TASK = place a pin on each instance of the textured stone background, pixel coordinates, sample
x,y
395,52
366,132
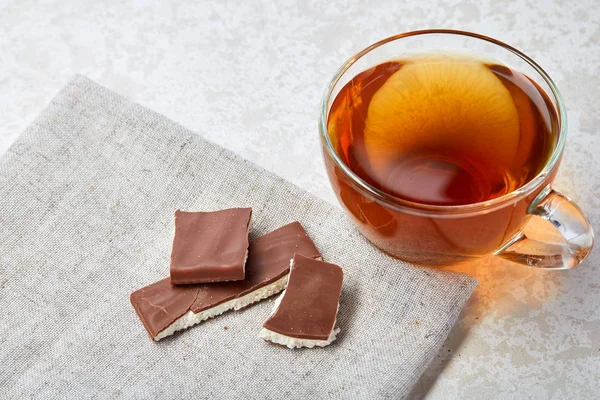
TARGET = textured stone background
x,y
249,76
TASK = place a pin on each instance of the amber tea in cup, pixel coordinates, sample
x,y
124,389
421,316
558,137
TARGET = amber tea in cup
x,y
443,129
441,144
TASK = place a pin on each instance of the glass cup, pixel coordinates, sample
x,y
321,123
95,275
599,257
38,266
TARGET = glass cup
x,y
441,235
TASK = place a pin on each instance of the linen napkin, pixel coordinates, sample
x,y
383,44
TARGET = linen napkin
x,y
87,196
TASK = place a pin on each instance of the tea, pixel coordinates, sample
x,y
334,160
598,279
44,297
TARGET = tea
x,y
443,129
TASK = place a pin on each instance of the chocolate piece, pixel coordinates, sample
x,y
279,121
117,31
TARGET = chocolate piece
x,y
164,308
161,303
305,313
210,246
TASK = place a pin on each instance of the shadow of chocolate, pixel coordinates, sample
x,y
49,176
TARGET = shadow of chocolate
x,y
346,313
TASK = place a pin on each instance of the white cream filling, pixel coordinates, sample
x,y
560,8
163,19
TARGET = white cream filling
x,y
292,342
190,318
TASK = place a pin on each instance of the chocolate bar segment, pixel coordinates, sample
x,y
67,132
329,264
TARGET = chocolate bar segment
x,y
268,261
161,303
164,308
305,314
210,246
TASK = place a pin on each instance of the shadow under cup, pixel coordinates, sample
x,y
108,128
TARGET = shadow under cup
x,y
438,235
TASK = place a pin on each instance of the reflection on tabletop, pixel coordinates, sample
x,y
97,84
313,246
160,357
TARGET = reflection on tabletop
x,y
519,319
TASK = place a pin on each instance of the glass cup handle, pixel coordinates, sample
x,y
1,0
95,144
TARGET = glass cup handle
x,y
572,224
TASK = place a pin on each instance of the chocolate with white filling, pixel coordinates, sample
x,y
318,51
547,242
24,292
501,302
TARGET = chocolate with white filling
x,y
164,308
308,307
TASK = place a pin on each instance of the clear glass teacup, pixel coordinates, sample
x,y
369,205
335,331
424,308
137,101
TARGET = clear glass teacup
x,y
441,234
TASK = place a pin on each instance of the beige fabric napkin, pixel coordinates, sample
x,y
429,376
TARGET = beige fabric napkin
x,y
87,196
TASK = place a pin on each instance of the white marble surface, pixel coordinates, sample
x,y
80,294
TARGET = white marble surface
x,y
249,76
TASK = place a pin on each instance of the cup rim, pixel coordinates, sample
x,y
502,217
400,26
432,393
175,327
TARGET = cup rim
x,y
428,209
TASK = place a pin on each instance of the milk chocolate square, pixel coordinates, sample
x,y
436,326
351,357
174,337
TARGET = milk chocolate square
x,y
210,246
165,308
305,314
